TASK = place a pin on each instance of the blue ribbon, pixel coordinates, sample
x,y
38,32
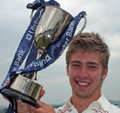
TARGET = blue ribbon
x,y
54,50
37,3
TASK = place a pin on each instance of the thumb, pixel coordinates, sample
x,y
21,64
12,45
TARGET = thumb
x,y
42,92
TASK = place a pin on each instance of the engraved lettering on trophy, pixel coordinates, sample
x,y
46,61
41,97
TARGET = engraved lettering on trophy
x,y
19,57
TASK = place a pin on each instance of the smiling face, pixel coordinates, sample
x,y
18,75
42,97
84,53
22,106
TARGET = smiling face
x,y
85,74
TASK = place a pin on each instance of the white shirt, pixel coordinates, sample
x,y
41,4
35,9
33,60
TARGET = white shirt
x,y
102,105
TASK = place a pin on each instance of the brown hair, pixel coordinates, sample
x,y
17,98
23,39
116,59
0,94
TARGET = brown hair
x,y
89,42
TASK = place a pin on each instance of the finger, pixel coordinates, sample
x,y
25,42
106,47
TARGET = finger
x,y
7,83
23,107
28,106
41,93
38,110
45,106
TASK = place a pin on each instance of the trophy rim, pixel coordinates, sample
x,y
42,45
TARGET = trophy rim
x,y
60,9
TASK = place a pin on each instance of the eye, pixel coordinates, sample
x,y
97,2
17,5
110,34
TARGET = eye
x,y
92,67
76,65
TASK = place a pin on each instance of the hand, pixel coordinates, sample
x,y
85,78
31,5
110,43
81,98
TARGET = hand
x,y
44,108
23,107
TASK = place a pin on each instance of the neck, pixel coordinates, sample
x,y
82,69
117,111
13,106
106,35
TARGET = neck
x,y
83,103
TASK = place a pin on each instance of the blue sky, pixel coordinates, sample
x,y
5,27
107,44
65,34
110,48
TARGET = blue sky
x,y
103,16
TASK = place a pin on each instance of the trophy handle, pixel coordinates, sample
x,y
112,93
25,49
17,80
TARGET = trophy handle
x,y
84,25
31,16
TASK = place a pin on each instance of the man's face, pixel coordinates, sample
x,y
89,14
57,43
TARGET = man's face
x,y
85,74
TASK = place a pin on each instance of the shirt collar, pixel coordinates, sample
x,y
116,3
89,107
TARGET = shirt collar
x,y
70,106
103,102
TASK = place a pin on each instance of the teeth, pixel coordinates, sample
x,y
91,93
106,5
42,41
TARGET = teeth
x,y
84,84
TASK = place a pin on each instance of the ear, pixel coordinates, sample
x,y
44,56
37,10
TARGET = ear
x,y
105,73
67,70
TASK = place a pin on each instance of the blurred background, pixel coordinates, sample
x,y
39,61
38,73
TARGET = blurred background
x,y
103,17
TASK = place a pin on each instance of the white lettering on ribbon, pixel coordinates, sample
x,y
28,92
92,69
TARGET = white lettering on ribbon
x,y
68,34
33,27
70,29
19,57
29,37
41,63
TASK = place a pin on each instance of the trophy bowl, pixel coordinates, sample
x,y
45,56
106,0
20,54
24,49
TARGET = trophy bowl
x,y
53,23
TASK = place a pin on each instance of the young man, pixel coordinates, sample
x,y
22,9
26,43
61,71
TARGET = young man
x,y
87,66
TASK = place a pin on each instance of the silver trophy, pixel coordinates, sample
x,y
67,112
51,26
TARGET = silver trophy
x,y
53,22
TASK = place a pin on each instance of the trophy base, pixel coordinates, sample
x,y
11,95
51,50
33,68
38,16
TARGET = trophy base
x,y
24,89
20,96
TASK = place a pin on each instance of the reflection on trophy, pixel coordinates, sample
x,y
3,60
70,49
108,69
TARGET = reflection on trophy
x,y
53,22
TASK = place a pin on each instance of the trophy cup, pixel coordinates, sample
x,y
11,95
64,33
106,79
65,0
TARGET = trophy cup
x,y
53,22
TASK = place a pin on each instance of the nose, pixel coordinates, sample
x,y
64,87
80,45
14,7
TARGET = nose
x,y
83,73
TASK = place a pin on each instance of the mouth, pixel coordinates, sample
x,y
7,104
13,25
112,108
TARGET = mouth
x,y
83,85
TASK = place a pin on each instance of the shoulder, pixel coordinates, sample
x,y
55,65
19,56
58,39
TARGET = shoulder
x,y
60,108
66,108
114,109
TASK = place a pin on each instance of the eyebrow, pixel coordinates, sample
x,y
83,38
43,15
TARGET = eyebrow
x,y
75,61
94,63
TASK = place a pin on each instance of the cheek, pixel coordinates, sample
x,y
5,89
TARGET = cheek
x,y
69,71
97,76
71,75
